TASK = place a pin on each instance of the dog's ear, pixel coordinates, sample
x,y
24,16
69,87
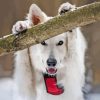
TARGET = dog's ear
x,y
36,15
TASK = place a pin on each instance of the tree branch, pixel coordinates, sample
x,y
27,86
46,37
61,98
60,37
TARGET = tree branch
x,y
59,24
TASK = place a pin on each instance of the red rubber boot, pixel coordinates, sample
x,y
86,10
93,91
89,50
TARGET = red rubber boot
x,y
51,85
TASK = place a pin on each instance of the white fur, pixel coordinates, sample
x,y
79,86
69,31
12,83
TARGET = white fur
x,y
69,7
29,83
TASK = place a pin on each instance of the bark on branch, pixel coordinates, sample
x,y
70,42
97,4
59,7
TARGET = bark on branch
x,y
59,24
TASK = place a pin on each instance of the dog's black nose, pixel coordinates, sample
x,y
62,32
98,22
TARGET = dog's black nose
x,y
51,62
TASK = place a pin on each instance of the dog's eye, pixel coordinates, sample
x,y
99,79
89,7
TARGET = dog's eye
x,y
60,43
44,43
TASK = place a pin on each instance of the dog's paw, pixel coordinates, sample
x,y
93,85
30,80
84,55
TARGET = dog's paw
x,y
19,27
65,7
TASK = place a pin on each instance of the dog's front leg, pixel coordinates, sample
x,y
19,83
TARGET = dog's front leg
x,y
24,85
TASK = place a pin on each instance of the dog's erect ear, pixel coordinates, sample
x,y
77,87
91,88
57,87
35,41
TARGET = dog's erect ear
x,y
36,15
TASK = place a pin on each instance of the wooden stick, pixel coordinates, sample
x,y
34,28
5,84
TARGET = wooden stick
x,y
82,16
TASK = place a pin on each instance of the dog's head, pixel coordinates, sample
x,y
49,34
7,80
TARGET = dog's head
x,y
50,55
53,53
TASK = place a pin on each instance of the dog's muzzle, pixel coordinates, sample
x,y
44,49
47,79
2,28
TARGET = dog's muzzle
x,y
51,69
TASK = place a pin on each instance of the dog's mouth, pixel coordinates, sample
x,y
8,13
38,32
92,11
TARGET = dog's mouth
x,y
51,70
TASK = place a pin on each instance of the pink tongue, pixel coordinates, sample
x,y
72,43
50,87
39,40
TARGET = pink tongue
x,y
51,85
51,70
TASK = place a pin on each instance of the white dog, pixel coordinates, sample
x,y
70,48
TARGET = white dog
x,y
52,70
